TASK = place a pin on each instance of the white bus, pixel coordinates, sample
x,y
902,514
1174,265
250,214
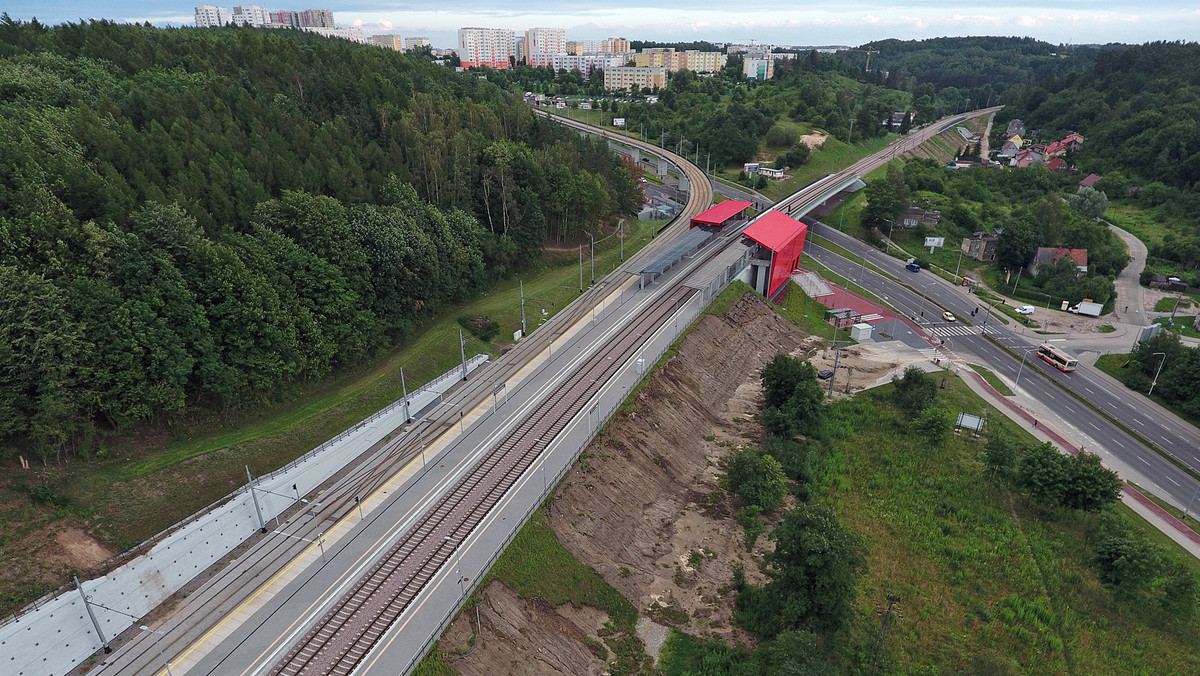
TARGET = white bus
x,y
1057,358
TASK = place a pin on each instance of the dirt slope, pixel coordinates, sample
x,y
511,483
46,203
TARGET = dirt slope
x,y
645,509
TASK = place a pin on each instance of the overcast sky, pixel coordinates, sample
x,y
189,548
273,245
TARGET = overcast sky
x,y
785,22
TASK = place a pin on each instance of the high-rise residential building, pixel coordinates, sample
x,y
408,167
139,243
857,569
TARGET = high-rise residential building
x,y
608,46
317,18
352,33
659,57
387,42
208,16
251,15
285,19
635,79
758,69
416,43
491,47
545,41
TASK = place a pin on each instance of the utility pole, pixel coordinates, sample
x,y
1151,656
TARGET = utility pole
x,y
580,268
893,599
462,346
837,346
404,389
621,232
254,495
592,254
523,330
88,606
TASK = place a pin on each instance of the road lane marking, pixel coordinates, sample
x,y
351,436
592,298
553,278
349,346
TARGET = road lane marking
x,y
1174,482
1094,426
1143,460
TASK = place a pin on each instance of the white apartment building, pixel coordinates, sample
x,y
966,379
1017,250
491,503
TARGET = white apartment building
x,y
545,41
416,43
208,16
584,63
491,47
252,15
636,79
352,33
608,46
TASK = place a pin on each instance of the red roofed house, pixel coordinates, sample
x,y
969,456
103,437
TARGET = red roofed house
x,y
1073,142
1058,164
722,213
780,241
1050,255
1091,180
1055,149
1025,158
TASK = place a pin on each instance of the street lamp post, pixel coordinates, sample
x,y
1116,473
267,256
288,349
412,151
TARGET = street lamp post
x,y
1160,365
925,296
457,563
592,254
159,646
1023,356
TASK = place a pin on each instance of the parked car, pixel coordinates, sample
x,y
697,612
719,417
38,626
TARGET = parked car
x,y
1025,310
826,374
913,267
948,316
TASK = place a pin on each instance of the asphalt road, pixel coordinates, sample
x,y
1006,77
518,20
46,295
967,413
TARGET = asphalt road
x,y
1003,350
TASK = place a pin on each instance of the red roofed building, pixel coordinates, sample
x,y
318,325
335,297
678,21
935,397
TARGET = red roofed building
x,y
780,241
1058,164
1073,142
1050,255
1091,180
1055,149
721,213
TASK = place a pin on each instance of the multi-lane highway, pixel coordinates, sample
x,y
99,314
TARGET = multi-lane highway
x,y
1077,399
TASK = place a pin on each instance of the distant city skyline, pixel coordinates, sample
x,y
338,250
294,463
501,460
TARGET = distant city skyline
x,y
767,21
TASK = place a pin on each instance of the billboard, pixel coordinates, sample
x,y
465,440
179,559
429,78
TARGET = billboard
x,y
585,106
618,122
935,241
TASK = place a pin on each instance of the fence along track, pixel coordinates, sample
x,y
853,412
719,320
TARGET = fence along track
x,y
339,641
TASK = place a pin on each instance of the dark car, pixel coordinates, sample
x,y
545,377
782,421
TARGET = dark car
x,y
826,374
913,267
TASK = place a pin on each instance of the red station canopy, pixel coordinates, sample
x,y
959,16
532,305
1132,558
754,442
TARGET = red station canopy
x,y
720,213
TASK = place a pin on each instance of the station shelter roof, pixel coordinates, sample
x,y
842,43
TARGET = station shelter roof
x,y
774,230
718,214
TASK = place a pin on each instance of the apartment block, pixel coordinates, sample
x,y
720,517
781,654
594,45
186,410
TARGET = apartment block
x,y
208,16
545,41
703,62
608,46
416,43
636,78
251,15
584,63
491,47
393,42
758,69
316,18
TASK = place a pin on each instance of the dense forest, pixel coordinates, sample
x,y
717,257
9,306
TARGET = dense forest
x,y
196,218
1139,109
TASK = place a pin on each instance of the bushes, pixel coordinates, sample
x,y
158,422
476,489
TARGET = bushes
x,y
483,328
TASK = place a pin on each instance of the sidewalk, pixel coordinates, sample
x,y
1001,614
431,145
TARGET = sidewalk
x,y
1026,416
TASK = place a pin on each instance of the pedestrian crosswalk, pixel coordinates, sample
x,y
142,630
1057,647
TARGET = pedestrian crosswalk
x,y
959,330
873,317
930,353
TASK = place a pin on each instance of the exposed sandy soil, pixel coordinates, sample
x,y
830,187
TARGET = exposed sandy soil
x,y
815,140
645,508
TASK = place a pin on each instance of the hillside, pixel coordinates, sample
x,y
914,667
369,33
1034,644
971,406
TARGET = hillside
x,y
195,222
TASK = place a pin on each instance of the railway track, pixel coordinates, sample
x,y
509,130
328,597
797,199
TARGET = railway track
x,y
345,635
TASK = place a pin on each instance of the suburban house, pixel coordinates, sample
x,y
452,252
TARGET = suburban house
x,y
1015,127
1091,180
1056,149
1025,158
980,246
1051,255
1011,146
896,120
1073,142
914,216
1058,164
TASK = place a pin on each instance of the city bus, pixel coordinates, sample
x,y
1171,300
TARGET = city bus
x,y
1057,358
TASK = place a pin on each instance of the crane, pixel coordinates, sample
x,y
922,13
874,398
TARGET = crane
x,y
868,51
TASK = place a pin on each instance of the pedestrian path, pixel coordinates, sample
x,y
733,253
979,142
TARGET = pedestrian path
x,y
873,317
812,284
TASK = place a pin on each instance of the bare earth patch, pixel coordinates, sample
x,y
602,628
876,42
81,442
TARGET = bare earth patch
x,y
815,140
645,509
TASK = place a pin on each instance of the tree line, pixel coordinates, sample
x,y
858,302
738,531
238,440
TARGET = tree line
x,y
193,219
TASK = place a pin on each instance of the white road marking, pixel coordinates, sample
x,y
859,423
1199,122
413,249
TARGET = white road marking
x,y
1089,389
1143,460
1118,443
1094,426
1174,482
